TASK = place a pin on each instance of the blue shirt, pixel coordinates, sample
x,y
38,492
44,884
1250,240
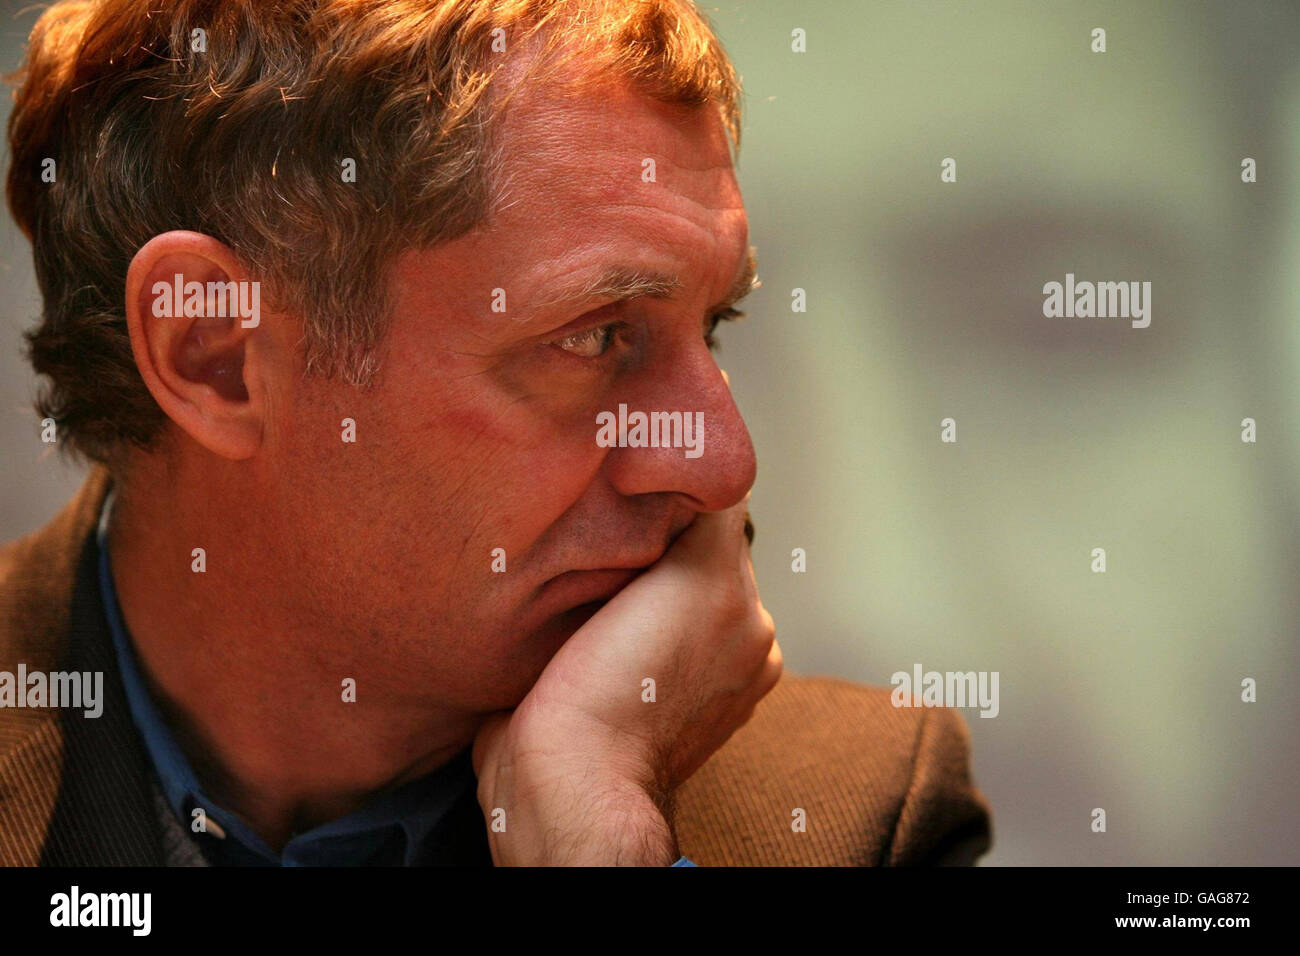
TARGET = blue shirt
x,y
392,829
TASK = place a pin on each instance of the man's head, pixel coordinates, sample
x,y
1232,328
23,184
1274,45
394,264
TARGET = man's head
x,y
543,225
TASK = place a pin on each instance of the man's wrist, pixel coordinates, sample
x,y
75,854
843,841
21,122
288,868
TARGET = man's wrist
x,y
611,824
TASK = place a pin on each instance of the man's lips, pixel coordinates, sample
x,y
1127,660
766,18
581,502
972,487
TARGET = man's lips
x,y
574,588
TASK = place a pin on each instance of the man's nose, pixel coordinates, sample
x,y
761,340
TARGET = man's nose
x,y
704,452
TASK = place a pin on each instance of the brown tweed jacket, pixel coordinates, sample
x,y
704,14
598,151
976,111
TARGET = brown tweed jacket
x,y
878,785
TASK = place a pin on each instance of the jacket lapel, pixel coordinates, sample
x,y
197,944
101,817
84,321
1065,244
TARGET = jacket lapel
x,y
104,814
73,789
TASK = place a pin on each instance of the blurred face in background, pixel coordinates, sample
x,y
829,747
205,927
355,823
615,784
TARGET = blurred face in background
x,y
925,302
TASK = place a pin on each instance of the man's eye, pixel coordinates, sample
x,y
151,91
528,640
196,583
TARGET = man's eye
x,y
594,342
711,324
590,343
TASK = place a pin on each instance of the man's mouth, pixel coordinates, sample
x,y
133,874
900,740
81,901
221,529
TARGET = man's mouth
x,y
574,589
574,618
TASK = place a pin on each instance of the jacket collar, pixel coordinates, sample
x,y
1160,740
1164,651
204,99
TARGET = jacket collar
x,y
75,788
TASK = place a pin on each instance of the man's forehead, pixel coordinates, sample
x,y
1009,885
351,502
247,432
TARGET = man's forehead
x,y
607,139
609,197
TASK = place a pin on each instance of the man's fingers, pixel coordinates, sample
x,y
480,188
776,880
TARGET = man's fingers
x,y
713,538
486,739
772,668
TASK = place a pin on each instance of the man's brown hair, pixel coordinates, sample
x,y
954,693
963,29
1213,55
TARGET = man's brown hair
x,y
233,118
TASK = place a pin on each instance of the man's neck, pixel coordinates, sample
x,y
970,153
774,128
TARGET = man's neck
x,y
238,674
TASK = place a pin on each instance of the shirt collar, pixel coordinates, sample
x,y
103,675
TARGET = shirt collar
x,y
394,826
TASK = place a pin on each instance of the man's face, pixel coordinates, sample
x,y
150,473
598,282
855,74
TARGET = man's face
x,y
481,431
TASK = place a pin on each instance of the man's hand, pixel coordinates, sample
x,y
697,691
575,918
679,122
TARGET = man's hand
x,y
584,768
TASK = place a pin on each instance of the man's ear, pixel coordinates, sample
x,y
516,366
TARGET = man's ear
x,y
194,316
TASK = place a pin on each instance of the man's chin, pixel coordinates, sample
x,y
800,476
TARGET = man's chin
x,y
534,651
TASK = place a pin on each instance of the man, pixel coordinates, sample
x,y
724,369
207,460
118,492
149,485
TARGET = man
x,y
337,296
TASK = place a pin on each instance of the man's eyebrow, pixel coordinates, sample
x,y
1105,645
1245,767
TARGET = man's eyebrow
x,y
625,282
621,283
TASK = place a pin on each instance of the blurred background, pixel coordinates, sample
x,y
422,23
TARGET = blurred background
x,y
924,301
